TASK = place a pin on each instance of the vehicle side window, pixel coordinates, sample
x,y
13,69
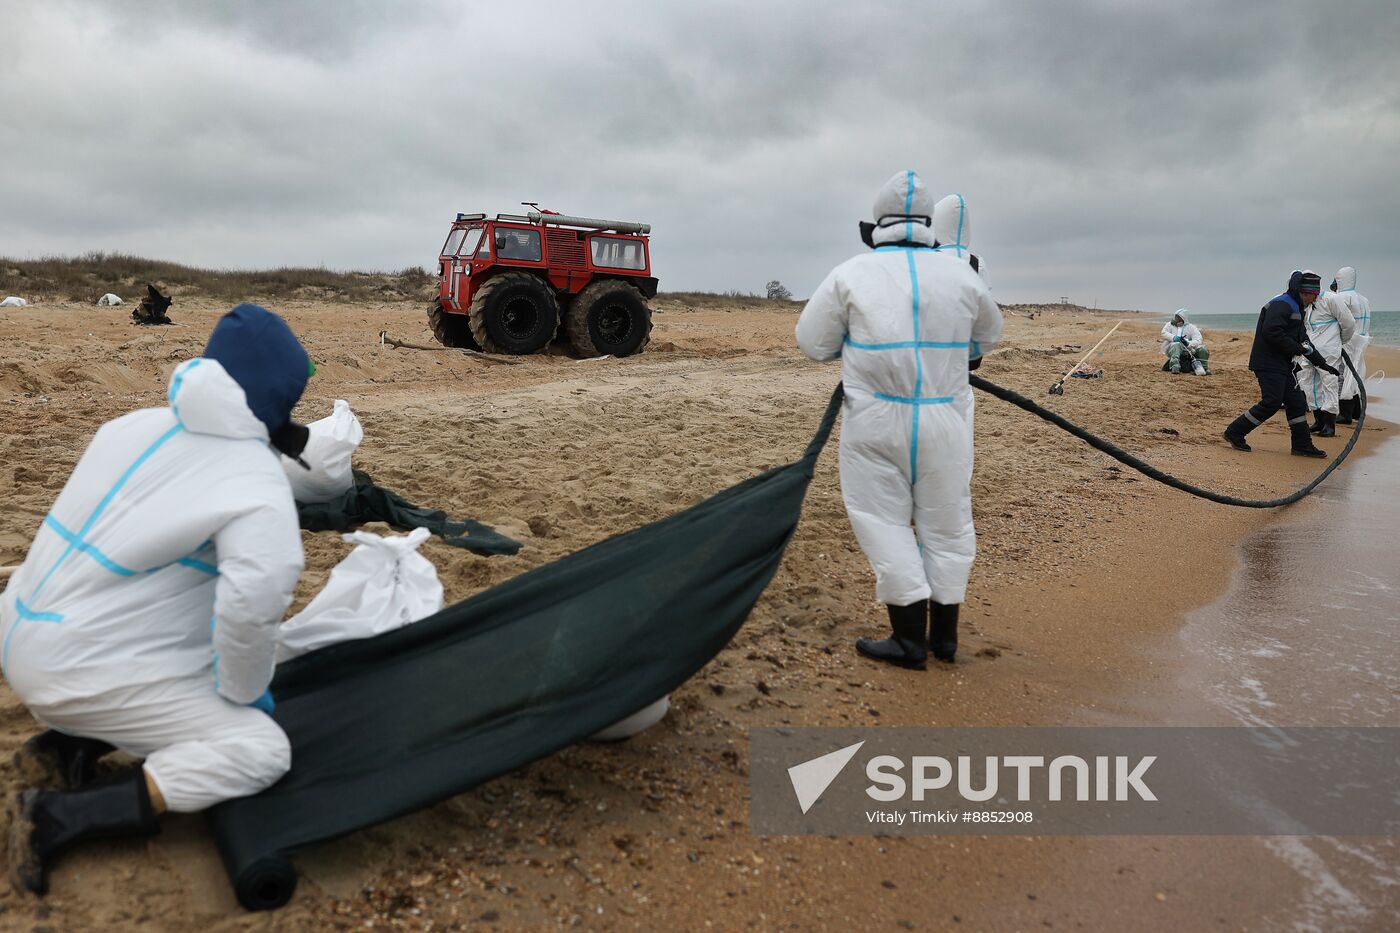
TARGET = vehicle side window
x,y
517,244
616,253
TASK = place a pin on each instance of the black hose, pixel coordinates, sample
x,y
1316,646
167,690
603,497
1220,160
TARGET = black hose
x,y
1147,469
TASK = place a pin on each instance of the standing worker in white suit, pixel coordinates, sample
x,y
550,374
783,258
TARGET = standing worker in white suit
x,y
952,228
1328,324
1349,409
144,616
909,322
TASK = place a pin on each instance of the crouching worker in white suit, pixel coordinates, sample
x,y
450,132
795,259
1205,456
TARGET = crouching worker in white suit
x,y
144,616
1182,341
908,322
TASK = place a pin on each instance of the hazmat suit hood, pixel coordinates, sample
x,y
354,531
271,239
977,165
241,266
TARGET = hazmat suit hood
x,y
1181,313
1346,279
952,224
259,351
903,211
207,400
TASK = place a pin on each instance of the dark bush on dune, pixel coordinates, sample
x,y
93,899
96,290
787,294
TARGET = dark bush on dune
x,y
85,278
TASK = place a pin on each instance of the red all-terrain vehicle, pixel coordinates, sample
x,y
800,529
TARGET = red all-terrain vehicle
x,y
506,284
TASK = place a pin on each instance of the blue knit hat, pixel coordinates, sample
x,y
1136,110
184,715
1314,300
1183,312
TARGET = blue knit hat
x,y
260,352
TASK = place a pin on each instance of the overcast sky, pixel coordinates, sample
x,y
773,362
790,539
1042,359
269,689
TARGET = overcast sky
x,y
1138,155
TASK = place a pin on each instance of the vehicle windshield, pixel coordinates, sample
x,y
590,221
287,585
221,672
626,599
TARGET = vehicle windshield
x,y
454,240
470,241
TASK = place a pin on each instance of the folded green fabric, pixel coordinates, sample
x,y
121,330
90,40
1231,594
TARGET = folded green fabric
x,y
384,726
367,501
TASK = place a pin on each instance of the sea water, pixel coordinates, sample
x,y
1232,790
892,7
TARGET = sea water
x,y
1385,325
1309,635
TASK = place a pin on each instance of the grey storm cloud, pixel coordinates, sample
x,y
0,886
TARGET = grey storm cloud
x,y
1135,154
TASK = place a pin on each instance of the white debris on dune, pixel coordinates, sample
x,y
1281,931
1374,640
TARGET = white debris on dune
x,y
109,300
13,302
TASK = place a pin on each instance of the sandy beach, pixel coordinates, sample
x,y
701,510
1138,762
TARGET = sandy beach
x,y
1074,603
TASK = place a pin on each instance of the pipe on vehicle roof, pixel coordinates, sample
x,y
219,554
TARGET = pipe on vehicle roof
x,y
620,226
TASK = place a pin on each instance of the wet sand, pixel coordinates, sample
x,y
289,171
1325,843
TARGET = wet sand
x,y
1076,598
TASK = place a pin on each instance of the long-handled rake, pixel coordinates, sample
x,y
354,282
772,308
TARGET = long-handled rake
x,y
1059,387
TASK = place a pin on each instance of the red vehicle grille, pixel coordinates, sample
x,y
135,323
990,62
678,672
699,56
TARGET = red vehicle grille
x,y
566,249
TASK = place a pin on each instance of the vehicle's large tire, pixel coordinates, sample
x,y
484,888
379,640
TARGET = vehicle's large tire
x,y
609,317
514,313
451,330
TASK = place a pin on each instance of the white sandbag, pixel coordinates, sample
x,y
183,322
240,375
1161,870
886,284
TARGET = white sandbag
x,y
382,585
13,302
333,440
642,719
109,300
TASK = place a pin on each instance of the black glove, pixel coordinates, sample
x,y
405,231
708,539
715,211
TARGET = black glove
x,y
1317,359
973,363
1330,369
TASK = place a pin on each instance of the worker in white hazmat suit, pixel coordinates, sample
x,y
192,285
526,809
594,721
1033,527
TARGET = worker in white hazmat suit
x,y
1349,407
144,616
908,322
1328,325
1182,344
952,229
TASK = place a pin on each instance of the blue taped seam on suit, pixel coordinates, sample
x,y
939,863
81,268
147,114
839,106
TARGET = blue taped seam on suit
x,y
213,625
89,549
910,345
106,501
909,205
198,565
178,382
75,543
918,371
26,613
962,212
905,400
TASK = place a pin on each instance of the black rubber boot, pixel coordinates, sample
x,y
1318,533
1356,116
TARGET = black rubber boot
x,y
943,631
1318,422
43,823
1345,411
58,760
1302,440
1329,424
1237,430
906,646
